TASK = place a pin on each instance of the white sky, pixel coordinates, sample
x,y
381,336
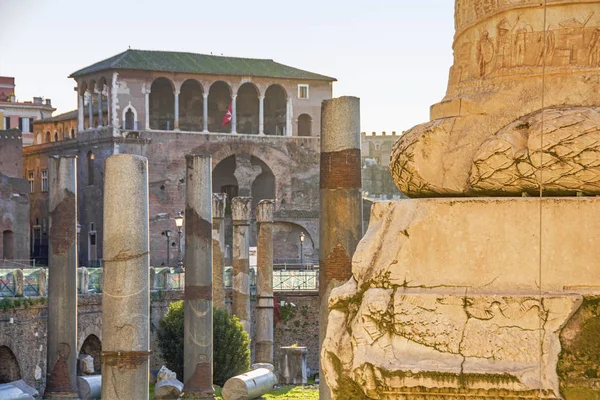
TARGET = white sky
x,y
393,54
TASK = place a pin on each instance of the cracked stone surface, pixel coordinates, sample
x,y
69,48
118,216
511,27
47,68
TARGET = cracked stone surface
x,y
503,51
445,297
566,159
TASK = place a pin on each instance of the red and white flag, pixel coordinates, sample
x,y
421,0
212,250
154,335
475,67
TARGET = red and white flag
x,y
227,117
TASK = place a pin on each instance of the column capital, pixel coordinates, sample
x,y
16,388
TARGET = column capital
x,y
241,210
234,96
176,92
205,95
261,98
218,205
264,210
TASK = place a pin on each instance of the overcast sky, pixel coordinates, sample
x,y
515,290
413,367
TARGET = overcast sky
x,y
393,54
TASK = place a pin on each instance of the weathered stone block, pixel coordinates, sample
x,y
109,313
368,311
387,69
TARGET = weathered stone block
x,y
291,366
446,297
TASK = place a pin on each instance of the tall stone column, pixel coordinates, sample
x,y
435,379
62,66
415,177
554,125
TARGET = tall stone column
x,y
205,112
90,110
261,115
198,308
288,117
264,289
341,203
219,201
176,116
100,122
62,284
147,109
241,213
126,290
80,111
234,113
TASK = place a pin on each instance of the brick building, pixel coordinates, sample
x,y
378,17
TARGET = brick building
x,y
14,199
21,115
164,105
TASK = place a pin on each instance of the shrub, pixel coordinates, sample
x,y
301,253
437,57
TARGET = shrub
x,y
231,352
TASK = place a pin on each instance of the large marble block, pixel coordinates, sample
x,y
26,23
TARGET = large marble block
x,y
462,297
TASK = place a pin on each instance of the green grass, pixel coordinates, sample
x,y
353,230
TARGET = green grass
x,y
282,393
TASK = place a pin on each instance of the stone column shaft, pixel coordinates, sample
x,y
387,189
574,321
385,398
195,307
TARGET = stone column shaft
x,y
288,117
62,285
341,202
205,112
176,116
234,113
198,307
90,110
126,294
100,122
147,106
80,112
261,115
264,313
241,213
218,209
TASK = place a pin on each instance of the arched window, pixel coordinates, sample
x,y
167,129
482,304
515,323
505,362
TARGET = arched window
x,y
56,136
48,137
90,168
275,110
304,125
129,120
9,366
72,133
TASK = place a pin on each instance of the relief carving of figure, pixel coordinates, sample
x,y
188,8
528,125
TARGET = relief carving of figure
x,y
548,48
503,42
485,52
520,42
594,49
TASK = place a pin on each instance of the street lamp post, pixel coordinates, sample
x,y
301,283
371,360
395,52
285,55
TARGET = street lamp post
x,y
301,250
167,234
179,223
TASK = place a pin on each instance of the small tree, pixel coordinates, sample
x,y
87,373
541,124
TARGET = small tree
x,y
231,352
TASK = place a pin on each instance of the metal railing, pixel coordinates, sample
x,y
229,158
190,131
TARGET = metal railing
x,y
34,281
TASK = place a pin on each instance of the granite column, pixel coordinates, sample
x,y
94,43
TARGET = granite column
x,y
341,203
241,212
62,284
264,289
198,308
218,209
126,290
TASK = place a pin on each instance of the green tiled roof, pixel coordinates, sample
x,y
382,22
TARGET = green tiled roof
x,y
191,63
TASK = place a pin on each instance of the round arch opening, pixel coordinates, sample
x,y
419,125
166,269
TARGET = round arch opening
x,y
275,110
247,109
219,99
9,366
191,106
92,346
162,105
304,125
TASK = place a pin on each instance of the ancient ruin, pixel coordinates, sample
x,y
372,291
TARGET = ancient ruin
x,y
516,64
466,296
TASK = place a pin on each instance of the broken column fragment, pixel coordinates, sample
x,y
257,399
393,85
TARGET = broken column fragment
x,y
218,238
62,284
126,294
198,309
264,286
241,213
341,201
